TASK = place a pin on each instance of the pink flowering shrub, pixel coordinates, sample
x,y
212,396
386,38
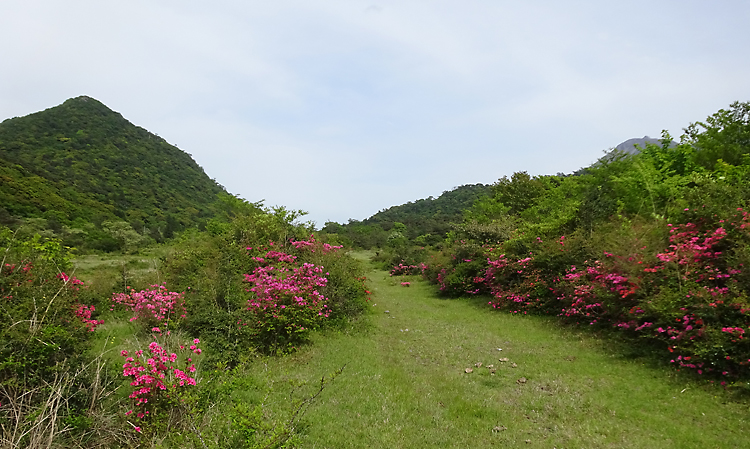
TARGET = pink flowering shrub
x,y
401,269
159,377
460,274
33,291
594,294
256,290
286,302
46,325
152,307
83,313
688,298
312,245
511,282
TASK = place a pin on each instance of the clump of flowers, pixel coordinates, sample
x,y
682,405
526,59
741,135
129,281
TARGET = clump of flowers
x,y
402,269
311,245
83,312
159,377
155,306
593,292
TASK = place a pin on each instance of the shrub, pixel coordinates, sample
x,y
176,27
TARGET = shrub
x,y
159,380
285,304
240,280
45,331
155,307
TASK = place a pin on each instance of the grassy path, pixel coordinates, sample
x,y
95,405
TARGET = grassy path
x,y
405,384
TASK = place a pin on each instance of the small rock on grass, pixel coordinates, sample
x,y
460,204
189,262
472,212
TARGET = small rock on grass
x,y
499,428
505,359
521,381
469,370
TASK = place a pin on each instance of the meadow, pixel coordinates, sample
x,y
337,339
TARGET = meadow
x,y
405,382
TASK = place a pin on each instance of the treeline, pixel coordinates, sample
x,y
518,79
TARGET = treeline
x,y
426,221
83,173
653,247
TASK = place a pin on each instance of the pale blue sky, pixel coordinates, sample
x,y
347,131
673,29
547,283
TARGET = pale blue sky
x,y
344,108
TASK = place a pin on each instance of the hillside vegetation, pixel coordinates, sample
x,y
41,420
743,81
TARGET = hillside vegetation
x,y
426,221
71,168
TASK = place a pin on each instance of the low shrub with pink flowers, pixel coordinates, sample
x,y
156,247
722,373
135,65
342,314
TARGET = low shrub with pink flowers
x,y
686,297
158,378
261,283
286,302
296,288
44,315
152,307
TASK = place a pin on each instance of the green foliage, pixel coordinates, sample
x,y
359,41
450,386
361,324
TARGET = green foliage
x,y
650,247
211,266
430,216
518,193
85,163
45,330
724,136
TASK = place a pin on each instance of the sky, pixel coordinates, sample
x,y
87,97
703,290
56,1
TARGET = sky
x,y
343,108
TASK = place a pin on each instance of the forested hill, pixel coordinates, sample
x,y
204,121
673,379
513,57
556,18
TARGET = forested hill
x,y
429,217
81,162
431,214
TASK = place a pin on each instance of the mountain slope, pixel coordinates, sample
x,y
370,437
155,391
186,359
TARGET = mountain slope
x,y
82,161
431,215
429,218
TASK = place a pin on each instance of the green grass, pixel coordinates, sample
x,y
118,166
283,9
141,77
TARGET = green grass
x,y
109,273
409,388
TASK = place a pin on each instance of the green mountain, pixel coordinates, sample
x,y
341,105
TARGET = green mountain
x,y
428,217
80,162
431,215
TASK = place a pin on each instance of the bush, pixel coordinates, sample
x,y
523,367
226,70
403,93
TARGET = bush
x,y
251,293
45,331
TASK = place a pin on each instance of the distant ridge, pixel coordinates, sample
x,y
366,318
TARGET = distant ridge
x,y
629,146
427,216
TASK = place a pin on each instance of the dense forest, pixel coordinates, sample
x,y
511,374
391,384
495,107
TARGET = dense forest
x,y
82,172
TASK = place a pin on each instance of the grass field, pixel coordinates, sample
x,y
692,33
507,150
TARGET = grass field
x,y
405,383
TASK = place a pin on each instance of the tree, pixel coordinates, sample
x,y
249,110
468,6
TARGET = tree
x,y
724,136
